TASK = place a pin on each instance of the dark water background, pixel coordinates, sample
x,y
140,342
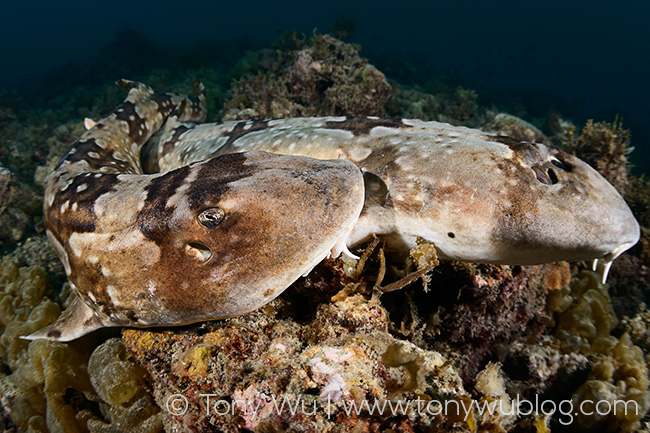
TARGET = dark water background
x,y
583,59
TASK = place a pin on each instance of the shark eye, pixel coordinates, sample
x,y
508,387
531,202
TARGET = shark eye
x,y
211,217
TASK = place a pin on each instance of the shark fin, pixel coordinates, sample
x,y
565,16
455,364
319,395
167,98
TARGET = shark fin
x,y
77,320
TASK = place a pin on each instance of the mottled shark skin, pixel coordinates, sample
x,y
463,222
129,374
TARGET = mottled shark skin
x,y
477,196
204,241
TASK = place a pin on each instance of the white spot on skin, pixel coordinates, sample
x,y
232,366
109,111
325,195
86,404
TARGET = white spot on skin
x,y
112,293
92,297
146,252
405,162
335,119
357,154
64,206
74,206
82,187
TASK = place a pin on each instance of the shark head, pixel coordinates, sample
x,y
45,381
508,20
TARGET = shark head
x,y
207,241
510,202
560,208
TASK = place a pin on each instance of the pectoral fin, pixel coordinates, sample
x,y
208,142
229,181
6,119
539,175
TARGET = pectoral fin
x,y
77,320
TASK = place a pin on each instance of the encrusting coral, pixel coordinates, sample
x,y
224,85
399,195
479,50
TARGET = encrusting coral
x,y
615,396
18,207
336,369
605,146
512,126
324,77
453,105
55,387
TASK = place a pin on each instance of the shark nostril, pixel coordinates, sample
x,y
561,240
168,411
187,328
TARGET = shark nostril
x,y
541,176
198,251
552,176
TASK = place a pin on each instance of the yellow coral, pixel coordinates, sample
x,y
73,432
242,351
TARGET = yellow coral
x,y
618,379
120,382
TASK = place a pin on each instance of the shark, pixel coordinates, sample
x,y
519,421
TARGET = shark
x,y
232,213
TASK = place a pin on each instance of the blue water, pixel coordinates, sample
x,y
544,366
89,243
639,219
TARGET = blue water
x,y
585,59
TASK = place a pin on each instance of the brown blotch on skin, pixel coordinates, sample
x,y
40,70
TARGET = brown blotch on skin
x,y
231,169
363,125
176,136
84,219
239,130
155,214
124,113
54,333
512,143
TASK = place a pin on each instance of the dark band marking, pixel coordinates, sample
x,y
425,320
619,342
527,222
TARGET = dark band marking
x,y
54,333
83,219
241,129
363,125
154,217
79,150
176,136
214,178
137,125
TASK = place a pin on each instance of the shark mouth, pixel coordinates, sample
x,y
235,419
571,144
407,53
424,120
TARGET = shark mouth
x,y
603,264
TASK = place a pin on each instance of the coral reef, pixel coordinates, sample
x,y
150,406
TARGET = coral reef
x,y
324,77
474,308
15,208
333,353
452,105
54,387
337,368
605,146
121,384
512,126
618,379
